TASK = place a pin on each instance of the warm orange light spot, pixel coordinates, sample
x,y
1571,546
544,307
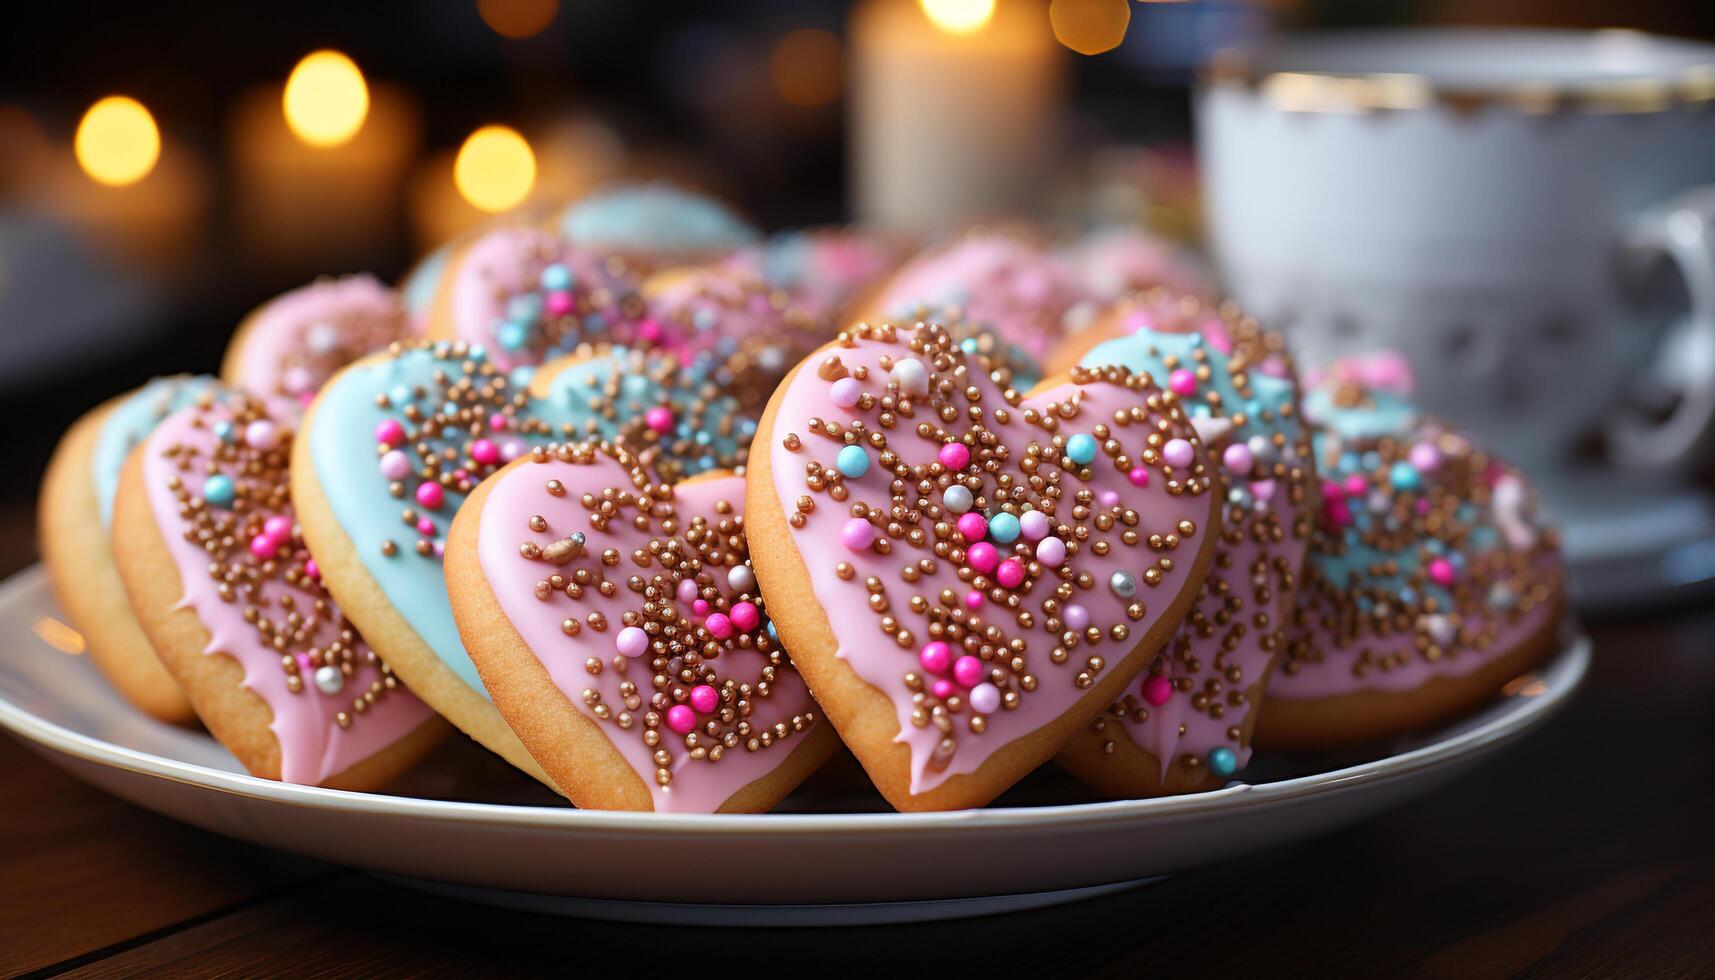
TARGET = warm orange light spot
x,y
59,636
117,142
326,99
517,19
495,168
807,67
958,16
1090,26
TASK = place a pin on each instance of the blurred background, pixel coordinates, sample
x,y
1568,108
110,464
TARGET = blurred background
x,y
164,169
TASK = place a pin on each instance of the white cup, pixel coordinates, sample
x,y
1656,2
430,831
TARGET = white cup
x,y
1497,205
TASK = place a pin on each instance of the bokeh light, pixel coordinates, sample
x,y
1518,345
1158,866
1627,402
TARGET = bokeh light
x,y
517,19
1090,26
326,99
495,168
807,68
959,16
117,142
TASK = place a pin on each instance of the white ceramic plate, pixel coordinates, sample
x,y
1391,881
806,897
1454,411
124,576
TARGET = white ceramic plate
x,y
798,867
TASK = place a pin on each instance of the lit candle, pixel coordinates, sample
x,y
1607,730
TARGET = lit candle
x,y
317,165
955,110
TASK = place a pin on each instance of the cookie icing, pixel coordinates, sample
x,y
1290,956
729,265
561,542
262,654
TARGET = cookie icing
x,y
1118,262
1428,558
1024,294
638,598
216,478
656,219
823,269
528,296
982,557
131,421
373,422
421,284
297,340
1190,706
743,331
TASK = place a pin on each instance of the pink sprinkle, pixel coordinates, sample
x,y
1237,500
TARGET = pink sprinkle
x,y
1076,617
681,719
1425,457
1237,458
262,434
705,698
935,657
461,474
857,535
303,662
1263,489
511,449
1178,452
1356,485
1034,525
1422,505
497,422
700,607
649,330
1050,552
1183,382
1010,574
972,525
1108,498
982,557
745,616
955,456
974,599
438,548
1441,572
718,625
426,528
985,698
1331,490
431,495
312,569
278,527
1274,366
264,547
1139,476
632,641
390,432
687,590
558,303
1157,689
484,453
659,419
943,689
968,671
395,465
845,392
1337,513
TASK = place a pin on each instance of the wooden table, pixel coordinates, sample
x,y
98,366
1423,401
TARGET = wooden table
x,y
1587,850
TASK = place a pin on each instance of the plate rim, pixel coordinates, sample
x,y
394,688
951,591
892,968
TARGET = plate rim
x,y
1447,751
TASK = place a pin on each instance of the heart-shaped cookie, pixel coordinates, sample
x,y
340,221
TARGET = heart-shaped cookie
x,y
393,445
289,346
214,563
655,225
964,575
1187,724
617,625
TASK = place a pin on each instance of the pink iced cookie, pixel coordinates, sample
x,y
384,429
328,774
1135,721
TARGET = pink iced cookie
x,y
617,625
1430,581
1187,724
526,296
216,569
748,333
1121,261
293,343
1021,292
825,269
964,575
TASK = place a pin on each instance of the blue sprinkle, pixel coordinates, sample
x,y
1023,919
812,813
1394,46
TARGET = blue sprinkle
x,y
595,323
524,308
1003,528
513,335
556,277
521,376
400,395
219,490
1222,761
1349,462
1404,476
1081,448
852,462
970,345
225,431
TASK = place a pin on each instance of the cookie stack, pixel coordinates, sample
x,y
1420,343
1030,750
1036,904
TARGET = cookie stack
x,y
664,514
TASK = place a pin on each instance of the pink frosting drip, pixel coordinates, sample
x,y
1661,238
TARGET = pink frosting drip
x,y
870,651
299,339
697,786
313,747
1022,292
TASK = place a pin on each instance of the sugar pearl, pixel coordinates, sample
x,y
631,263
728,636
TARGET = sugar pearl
x,y
718,625
845,392
911,376
1178,452
1082,448
329,679
745,616
395,465
957,499
955,456
431,495
1124,584
968,671
1237,458
857,535
1076,617
1035,525
852,462
681,719
705,698
935,657
982,557
1157,689
1051,551
632,641
739,578
985,698
262,434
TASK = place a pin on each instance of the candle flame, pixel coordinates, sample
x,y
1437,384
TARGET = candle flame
x,y
326,99
495,168
117,142
958,16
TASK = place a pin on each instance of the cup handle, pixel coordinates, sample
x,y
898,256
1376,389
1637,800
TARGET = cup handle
x,y
1683,231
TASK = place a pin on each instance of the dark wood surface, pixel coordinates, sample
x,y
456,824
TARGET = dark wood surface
x,y
1586,850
